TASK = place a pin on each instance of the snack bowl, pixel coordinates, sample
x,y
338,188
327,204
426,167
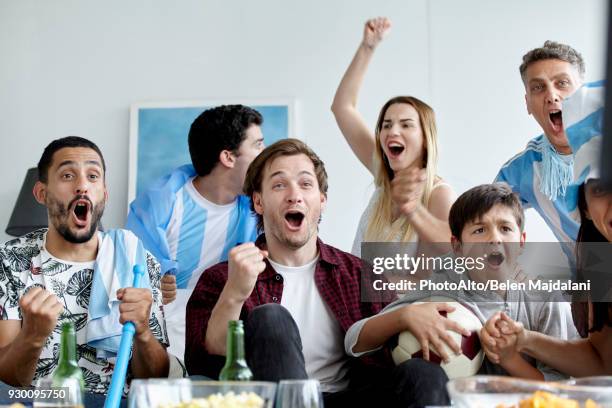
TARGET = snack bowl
x,y
602,381
186,393
494,392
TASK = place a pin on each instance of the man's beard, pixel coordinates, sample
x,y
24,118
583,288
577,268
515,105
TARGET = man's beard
x,y
294,243
291,240
59,214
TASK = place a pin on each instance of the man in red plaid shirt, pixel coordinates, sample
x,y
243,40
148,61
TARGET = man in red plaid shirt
x,y
296,295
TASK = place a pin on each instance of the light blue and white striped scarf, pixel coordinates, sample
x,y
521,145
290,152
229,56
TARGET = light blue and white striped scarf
x,y
583,116
118,251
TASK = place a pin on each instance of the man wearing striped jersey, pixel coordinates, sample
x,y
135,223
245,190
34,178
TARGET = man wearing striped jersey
x,y
191,218
542,172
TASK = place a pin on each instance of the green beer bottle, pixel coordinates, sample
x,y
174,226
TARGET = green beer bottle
x,y
67,366
235,368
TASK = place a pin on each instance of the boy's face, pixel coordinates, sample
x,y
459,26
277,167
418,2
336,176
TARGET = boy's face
x,y
547,83
496,237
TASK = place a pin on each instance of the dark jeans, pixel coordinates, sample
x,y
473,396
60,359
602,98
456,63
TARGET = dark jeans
x,y
274,352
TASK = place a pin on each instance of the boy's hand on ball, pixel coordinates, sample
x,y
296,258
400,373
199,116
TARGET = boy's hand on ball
x,y
429,327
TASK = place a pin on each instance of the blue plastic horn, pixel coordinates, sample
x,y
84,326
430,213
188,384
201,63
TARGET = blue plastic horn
x,y
115,391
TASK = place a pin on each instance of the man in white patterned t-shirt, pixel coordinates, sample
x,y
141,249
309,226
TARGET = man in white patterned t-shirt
x,y
48,277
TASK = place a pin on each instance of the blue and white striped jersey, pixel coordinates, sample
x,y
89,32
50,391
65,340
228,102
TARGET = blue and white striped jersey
x,y
185,232
523,174
201,233
582,119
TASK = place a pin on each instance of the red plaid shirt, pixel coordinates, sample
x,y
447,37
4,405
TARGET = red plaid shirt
x,y
337,277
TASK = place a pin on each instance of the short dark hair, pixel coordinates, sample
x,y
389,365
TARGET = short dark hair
x,y
589,233
69,141
284,147
217,129
553,50
477,201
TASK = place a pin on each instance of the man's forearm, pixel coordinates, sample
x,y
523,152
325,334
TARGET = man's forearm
x,y
554,353
150,359
227,308
18,361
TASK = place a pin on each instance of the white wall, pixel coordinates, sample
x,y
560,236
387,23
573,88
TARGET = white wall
x,y
74,67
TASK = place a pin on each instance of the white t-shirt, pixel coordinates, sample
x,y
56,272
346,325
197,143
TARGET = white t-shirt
x,y
196,235
322,337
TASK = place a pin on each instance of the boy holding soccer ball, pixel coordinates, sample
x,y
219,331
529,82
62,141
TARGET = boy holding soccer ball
x,y
487,222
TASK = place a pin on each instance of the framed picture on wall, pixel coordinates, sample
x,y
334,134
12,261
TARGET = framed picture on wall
x,y
159,130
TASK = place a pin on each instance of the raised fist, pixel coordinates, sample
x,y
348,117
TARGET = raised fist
x,y
375,30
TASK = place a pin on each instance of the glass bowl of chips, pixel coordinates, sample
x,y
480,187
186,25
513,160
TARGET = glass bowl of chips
x,y
185,393
506,392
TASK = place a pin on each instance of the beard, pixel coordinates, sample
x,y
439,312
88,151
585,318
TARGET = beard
x,y
294,240
59,213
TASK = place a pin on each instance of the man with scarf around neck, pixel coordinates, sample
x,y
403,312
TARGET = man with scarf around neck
x,y
48,277
541,173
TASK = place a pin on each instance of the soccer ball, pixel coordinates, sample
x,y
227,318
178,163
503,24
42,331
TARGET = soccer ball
x,y
464,365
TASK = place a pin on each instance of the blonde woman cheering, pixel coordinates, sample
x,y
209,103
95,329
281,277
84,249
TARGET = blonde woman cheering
x,y
411,203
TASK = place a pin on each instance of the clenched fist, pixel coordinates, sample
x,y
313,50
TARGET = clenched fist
x,y
40,310
135,307
375,30
500,337
245,263
407,189
168,288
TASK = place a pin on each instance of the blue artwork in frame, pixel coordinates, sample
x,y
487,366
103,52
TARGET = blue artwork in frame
x,y
158,135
